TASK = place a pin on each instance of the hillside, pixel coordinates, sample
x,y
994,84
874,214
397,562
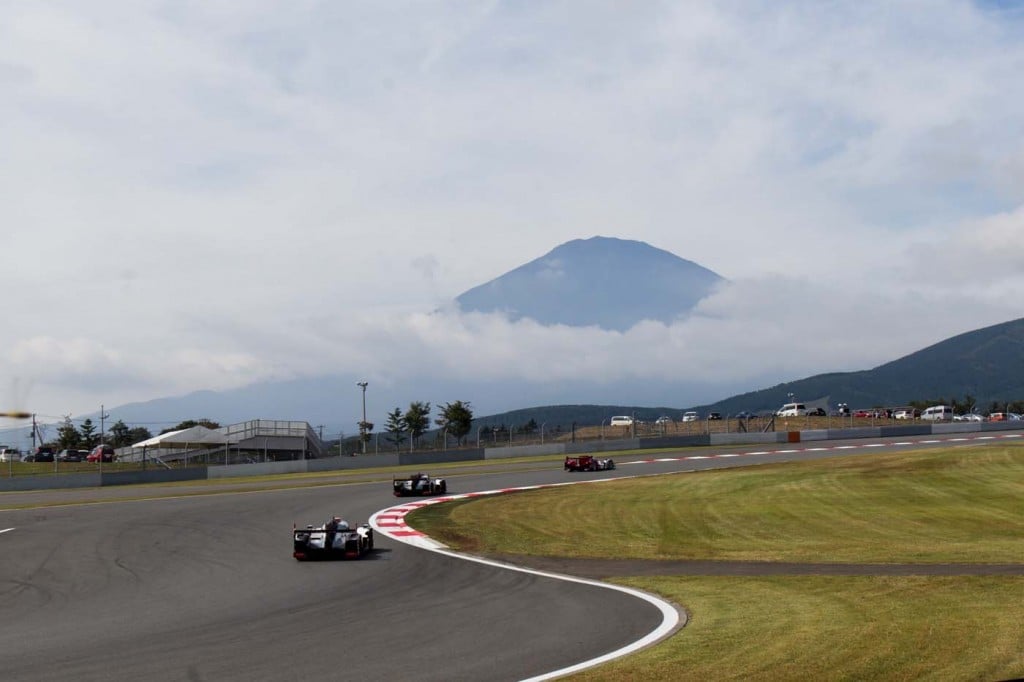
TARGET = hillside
x,y
986,364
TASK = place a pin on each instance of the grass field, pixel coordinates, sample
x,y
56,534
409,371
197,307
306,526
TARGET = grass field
x,y
960,505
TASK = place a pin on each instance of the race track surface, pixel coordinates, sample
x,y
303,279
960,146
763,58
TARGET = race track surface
x,y
204,588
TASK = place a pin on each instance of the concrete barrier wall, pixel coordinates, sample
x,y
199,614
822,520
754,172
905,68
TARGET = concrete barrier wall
x,y
749,438
674,442
50,482
812,435
153,476
1000,426
524,451
914,430
357,462
441,457
957,427
856,432
294,466
602,446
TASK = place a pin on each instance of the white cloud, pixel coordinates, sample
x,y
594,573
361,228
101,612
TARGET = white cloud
x,y
205,194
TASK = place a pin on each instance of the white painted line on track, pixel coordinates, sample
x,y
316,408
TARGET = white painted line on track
x,y
5,530
875,445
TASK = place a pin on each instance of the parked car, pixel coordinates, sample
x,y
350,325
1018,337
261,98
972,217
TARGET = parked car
x,y
745,414
792,410
690,416
72,455
905,413
43,453
662,420
9,455
817,412
715,416
622,420
938,413
103,453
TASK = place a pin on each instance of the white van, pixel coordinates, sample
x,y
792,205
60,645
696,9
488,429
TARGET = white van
x,y
622,421
937,413
792,410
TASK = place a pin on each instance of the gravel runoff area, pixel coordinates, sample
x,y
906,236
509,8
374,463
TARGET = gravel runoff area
x,y
610,568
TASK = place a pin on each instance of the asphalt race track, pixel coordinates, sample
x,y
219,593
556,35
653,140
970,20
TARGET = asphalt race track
x,y
205,588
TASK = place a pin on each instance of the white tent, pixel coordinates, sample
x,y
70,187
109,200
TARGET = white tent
x,y
195,437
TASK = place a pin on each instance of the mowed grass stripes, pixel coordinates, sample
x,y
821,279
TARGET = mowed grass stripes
x,y
953,506
961,505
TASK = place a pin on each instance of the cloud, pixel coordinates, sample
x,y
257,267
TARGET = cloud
x,y
202,195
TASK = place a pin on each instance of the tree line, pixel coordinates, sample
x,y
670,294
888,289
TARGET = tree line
x,y
454,419
120,435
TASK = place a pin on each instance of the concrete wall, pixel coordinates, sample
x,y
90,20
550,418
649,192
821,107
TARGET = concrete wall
x,y
913,430
346,463
153,476
602,446
294,466
674,442
50,482
857,432
525,451
441,457
812,435
749,438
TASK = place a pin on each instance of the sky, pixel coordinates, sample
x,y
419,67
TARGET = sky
x,y
205,195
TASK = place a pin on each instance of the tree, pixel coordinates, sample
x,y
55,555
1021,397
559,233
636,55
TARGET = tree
x,y
119,437
189,423
417,420
529,427
89,438
137,434
456,419
397,427
365,429
68,437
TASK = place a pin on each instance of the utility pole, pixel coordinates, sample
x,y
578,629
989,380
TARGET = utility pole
x,y
103,418
362,424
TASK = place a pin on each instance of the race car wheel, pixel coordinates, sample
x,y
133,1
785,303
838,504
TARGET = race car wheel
x,y
444,487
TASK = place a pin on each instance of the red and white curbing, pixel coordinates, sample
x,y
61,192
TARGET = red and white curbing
x,y
391,522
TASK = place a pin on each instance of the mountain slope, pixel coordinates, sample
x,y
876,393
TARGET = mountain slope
x,y
987,364
611,283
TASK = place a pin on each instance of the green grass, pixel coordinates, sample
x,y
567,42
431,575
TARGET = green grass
x,y
828,628
928,506
960,505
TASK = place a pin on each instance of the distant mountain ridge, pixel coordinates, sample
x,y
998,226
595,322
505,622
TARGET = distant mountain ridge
x,y
986,364
603,281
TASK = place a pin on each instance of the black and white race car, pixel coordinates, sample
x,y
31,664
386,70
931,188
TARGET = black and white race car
x,y
332,540
419,484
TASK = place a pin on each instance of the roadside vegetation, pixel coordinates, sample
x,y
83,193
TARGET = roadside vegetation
x,y
953,506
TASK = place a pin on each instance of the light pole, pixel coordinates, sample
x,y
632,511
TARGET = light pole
x,y
362,424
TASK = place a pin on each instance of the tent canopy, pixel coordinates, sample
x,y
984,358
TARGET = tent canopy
x,y
195,437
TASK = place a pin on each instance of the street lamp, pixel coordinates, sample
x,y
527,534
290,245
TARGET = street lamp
x,y
362,424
